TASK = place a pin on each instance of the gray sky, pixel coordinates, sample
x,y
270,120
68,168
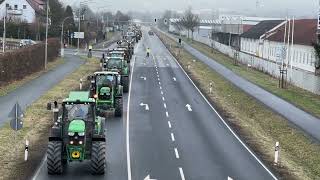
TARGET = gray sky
x,y
272,7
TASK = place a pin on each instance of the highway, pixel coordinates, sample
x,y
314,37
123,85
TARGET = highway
x,y
169,131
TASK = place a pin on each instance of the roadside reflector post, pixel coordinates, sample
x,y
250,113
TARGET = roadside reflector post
x,y
26,150
55,111
210,88
276,153
189,66
80,84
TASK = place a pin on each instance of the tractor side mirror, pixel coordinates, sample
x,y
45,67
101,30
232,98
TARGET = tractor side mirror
x,y
49,108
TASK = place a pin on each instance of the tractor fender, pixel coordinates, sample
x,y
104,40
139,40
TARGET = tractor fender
x,y
55,134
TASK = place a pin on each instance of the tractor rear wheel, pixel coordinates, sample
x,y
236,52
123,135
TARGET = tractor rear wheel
x,y
125,83
54,157
118,107
98,157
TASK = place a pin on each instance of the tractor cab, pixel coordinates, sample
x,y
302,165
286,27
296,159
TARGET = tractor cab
x,y
119,53
107,90
77,134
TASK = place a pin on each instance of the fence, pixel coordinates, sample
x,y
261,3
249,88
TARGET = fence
x,y
303,79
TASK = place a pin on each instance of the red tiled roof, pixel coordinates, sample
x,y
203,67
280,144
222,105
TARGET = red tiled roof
x,y
304,32
35,4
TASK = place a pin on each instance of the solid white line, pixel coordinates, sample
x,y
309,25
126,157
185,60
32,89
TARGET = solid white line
x,y
169,124
172,137
181,173
177,153
163,98
224,122
167,114
162,92
39,169
128,118
165,105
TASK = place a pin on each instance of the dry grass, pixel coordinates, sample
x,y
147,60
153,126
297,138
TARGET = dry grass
x,y
256,124
36,128
4,90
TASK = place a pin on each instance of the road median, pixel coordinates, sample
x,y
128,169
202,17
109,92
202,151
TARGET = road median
x,y
257,125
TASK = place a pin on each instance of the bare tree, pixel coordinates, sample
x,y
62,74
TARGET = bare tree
x,y
178,25
190,21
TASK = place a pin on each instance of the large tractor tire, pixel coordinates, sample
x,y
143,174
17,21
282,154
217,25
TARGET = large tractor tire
x,y
98,158
125,83
118,107
54,157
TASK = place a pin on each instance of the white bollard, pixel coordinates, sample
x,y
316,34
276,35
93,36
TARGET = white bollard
x,y
276,153
80,84
210,88
26,150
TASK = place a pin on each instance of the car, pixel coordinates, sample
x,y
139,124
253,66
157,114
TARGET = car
x,y
26,42
151,33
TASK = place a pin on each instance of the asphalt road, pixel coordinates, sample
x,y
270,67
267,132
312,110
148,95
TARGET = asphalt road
x,y
31,91
301,119
165,138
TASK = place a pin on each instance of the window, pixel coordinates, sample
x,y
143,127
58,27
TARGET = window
x,y
7,5
24,6
15,7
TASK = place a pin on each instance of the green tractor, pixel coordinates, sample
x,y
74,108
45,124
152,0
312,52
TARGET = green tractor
x,y
118,64
77,135
108,92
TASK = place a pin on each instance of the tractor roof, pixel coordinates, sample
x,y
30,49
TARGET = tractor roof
x,y
116,58
106,73
79,97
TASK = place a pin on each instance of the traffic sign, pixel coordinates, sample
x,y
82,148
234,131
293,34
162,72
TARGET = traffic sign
x,y
16,117
79,35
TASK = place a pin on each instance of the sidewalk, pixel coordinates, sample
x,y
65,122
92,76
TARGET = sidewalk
x,y
303,120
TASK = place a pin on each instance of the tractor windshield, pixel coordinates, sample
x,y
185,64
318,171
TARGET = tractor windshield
x,y
114,64
78,111
105,80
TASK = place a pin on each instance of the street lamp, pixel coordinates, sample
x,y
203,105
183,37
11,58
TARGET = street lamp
x,y
4,31
62,46
46,45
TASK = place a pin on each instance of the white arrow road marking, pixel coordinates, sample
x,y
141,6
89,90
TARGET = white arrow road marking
x,y
181,173
148,178
174,79
146,105
144,78
189,107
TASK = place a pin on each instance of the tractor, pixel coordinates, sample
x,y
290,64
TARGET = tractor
x,y
77,135
118,64
119,53
108,92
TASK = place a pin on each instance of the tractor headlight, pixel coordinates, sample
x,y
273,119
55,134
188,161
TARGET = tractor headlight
x,y
81,133
80,142
71,133
71,142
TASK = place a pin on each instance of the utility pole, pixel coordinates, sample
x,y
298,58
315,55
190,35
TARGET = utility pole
x,y
46,45
79,27
4,31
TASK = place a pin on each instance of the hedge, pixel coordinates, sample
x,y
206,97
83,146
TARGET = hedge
x,y
19,63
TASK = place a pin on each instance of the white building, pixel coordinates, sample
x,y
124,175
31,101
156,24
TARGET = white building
x,y
21,10
266,40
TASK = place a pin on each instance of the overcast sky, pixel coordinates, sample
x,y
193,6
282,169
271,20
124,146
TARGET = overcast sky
x,y
273,7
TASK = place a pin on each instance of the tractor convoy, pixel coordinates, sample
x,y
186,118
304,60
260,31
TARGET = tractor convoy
x,y
78,133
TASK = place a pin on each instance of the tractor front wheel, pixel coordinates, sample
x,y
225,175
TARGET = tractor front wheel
x,y
118,107
125,83
54,157
98,158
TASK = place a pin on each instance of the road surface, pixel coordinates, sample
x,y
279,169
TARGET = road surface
x,y
169,132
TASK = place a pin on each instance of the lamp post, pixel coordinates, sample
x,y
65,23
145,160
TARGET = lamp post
x,y
46,45
4,31
62,46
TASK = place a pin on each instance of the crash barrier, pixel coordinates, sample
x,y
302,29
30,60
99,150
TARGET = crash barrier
x,y
17,64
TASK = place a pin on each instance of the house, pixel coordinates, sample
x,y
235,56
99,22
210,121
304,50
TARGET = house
x,y
22,10
266,40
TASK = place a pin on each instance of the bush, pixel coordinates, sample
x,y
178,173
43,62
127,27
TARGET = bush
x,y
17,64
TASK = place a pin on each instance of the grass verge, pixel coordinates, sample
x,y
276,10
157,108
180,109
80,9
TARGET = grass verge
x,y
299,97
257,125
37,123
6,89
